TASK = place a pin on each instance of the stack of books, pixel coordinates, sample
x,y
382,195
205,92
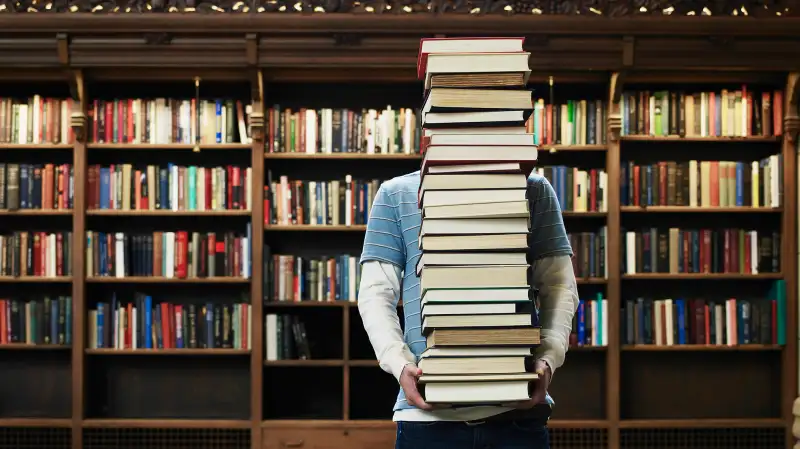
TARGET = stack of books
x,y
478,314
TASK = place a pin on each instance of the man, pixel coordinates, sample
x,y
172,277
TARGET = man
x,y
390,254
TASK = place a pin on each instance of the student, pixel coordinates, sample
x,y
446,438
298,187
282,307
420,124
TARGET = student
x,y
390,254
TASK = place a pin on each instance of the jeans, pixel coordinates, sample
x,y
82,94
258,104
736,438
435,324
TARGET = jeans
x,y
519,434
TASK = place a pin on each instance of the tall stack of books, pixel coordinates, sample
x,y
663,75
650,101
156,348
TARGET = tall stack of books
x,y
478,313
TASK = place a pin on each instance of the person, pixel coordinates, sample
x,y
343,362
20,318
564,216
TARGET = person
x,y
390,254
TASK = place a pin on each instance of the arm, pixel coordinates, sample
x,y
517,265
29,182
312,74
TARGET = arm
x,y
552,272
377,304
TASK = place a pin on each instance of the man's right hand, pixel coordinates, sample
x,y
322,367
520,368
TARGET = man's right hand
x,y
408,382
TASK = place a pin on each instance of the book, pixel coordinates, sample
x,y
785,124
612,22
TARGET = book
x,y
484,389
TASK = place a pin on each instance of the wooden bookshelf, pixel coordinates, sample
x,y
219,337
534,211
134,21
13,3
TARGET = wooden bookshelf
x,y
598,405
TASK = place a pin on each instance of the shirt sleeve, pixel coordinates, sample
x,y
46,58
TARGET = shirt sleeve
x,y
548,236
558,301
383,241
378,294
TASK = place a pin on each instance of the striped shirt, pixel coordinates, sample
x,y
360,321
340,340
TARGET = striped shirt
x,y
393,232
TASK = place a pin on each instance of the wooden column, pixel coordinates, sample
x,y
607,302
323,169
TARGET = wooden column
x,y
789,254
613,264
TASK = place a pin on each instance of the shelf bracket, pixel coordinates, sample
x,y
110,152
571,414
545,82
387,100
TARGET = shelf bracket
x,y
74,78
615,116
791,120
256,89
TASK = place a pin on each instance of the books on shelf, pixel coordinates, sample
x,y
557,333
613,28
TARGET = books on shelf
x,y
474,274
576,122
171,187
343,202
741,112
36,186
331,131
675,251
297,278
43,320
169,121
36,120
703,183
169,254
577,190
590,253
590,323
688,321
145,323
285,338
36,254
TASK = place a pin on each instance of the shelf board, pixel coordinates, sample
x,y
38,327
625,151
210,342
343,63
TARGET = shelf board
x,y
557,148
701,210
35,279
167,423
691,348
312,228
168,352
33,347
700,423
350,156
37,212
167,146
304,363
700,276
35,422
388,424
35,146
169,213
163,280
750,139
587,281
573,214
306,303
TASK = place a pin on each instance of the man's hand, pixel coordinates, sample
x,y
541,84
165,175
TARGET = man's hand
x,y
408,382
540,390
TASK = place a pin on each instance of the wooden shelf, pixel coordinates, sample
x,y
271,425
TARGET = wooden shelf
x,y
388,424
167,146
35,146
588,281
700,423
557,148
572,214
752,139
162,280
701,210
700,276
348,156
168,352
304,363
305,303
36,422
33,347
313,228
168,213
694,348
36,212
167,423
35,279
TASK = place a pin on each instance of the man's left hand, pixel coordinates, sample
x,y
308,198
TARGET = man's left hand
x,y
540,389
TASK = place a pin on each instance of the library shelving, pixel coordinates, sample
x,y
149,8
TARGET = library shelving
x,y
134,385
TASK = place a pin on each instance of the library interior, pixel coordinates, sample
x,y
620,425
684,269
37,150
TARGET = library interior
x,y
186,185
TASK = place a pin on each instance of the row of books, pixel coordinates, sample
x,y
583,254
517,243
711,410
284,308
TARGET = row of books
x,y
296,278
327,131
742,112
145,323
285,338
166,121
590,323
36,120
590,256
172,187
703,183
41,254
46,320
675,250
734,321
577,190
576,122
36,186
169,254
346,202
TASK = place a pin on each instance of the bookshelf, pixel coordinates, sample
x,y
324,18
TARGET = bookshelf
x,y
615,395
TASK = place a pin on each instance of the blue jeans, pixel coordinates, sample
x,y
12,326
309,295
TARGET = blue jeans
x,y
519,434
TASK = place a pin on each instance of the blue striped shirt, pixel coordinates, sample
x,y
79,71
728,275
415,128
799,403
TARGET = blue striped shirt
x,y
393,233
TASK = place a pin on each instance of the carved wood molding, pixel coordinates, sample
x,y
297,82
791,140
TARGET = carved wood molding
x,y
791,121
614,116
